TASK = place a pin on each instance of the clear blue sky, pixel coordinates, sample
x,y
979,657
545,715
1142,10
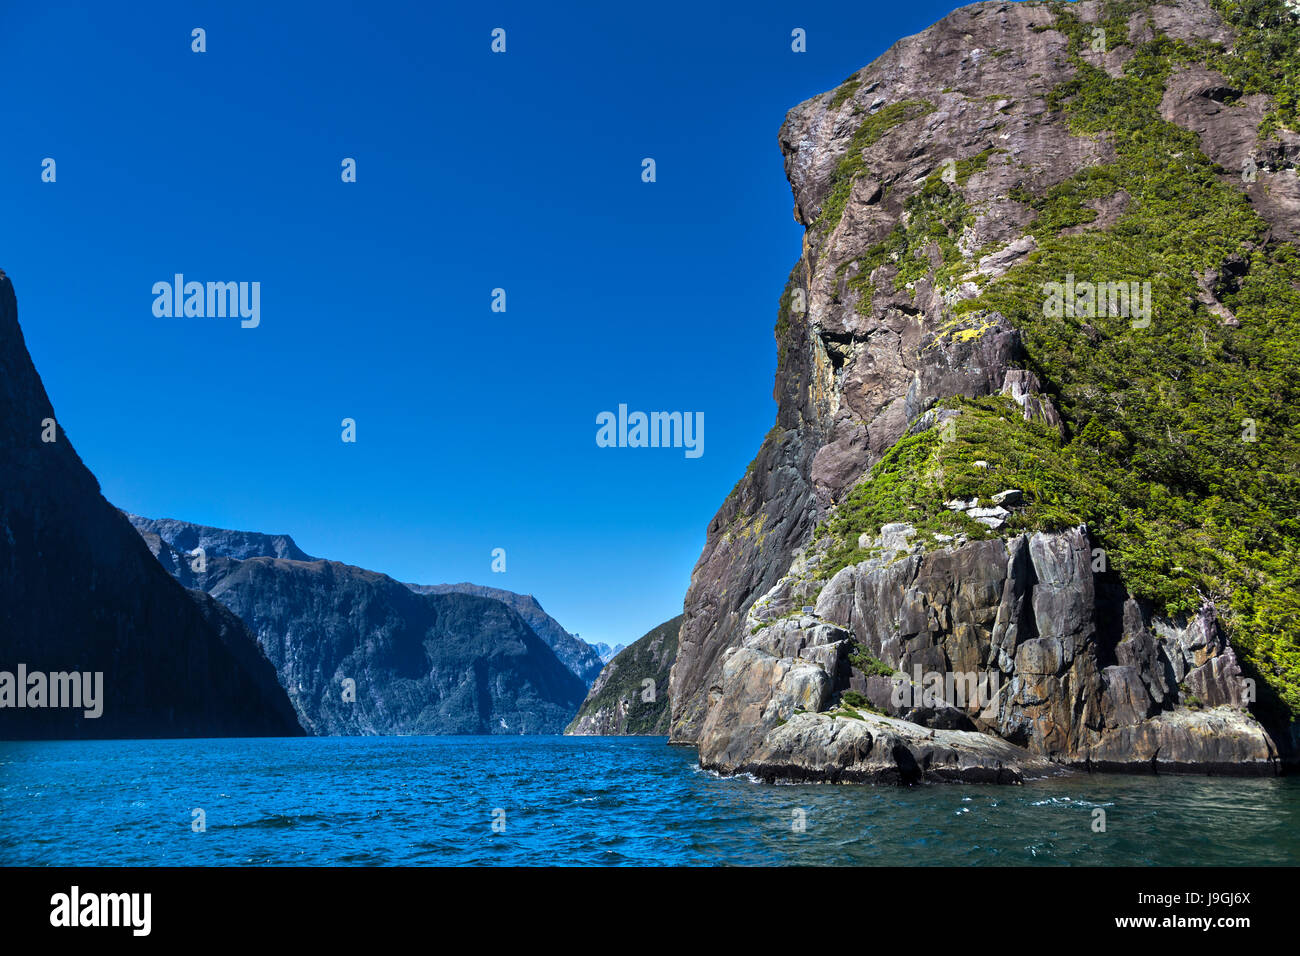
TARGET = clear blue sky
x,y
476,429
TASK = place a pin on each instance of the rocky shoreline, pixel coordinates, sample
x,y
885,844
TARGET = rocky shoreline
x,y
868,748
985,661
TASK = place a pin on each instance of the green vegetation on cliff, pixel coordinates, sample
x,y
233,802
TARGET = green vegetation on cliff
x,y
622,684
922,471
868,133
1182,441
934,215
1266,56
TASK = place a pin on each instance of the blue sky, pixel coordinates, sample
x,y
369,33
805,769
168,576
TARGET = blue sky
x,y
475,429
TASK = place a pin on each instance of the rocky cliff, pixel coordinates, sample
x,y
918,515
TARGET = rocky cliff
x,y
184,536
79,592
621,701
1036,428
360,653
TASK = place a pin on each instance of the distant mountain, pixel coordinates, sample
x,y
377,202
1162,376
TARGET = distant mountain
x,y
606,652
621,701
577,655
421,663
80,593
185,536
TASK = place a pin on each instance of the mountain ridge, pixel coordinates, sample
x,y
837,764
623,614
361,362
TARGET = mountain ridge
x,y
420,660
183,537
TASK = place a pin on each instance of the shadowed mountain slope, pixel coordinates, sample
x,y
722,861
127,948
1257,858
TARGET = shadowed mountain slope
x,y
79,591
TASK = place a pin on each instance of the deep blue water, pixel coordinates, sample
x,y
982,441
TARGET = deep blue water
x,y
586,800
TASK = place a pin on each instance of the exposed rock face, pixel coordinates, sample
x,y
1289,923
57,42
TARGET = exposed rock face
x,y
620,701
1024,388
419,663
848,384
187,537
1087,676
577,655
1229,135
867,748
1016,638
80,592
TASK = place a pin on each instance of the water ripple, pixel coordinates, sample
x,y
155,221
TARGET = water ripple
x,y
598,801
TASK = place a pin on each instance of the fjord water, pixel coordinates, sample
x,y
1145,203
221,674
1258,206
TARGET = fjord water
x,y
587,800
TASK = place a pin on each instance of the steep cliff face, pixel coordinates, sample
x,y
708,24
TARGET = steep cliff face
x,y
1017,638
620,701
411,662
79,591
1071,498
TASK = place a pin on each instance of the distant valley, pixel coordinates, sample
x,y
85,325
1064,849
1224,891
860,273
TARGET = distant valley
x,y
193,631
421,659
